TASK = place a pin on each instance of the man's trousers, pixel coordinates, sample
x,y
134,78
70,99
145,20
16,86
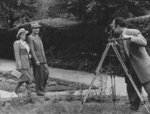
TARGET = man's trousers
x,y
133,96
41,76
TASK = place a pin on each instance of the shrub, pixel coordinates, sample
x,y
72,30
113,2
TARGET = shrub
x,y
70,44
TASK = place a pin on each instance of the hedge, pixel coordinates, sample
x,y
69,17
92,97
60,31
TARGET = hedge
x,y
70,44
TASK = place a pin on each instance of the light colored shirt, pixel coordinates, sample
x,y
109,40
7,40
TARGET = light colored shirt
x,y
24,44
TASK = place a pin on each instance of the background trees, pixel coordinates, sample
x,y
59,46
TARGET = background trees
x,y
100,11
14,10
104,10
78,41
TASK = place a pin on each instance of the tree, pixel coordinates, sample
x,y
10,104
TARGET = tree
x,y
14,10
103,10
79,8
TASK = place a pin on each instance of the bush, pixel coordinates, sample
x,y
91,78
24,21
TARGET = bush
x,y
70,44
141,23
67,44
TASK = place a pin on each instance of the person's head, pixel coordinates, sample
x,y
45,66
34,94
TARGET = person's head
x,y
21,34
35,27
118,25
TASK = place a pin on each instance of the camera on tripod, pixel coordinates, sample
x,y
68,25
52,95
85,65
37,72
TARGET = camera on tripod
x,y
112,36
109,31
111,67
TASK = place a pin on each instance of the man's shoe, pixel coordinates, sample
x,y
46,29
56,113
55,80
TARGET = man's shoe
x,y
134,111
128,102
143,102
39,93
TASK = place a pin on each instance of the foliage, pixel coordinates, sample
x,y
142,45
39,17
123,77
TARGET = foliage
x,y
14,10
78,8
141,23
42,106
42,11
57,9
8,82
104,10
101,11
72,45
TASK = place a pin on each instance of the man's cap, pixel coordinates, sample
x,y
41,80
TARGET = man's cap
x,y
35,24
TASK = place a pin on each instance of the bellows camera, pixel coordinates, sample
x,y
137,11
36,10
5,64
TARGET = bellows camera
x,y
109,31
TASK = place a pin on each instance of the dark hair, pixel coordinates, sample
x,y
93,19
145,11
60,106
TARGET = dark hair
x,y
120,21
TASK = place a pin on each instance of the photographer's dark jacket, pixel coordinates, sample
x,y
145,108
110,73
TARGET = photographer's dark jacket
x,y
138,56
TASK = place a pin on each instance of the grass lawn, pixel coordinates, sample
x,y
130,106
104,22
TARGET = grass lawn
x,y
62,104
67,107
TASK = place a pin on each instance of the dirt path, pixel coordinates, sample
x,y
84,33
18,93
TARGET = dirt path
x,y
76,76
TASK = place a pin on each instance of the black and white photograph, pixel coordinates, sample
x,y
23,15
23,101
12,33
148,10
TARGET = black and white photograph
x,y
74,56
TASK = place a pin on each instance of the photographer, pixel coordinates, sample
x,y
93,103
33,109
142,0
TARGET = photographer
x,y
136,58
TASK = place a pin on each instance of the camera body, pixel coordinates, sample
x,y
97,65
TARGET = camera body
x,y
109,31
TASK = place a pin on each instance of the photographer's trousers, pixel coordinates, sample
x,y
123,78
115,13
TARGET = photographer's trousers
x,y
133,96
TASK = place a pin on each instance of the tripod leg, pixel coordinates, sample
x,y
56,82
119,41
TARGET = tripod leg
x,y
114,98
129,76
96,73
113,90
102,59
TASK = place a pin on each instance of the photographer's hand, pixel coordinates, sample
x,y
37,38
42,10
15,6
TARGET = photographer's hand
x,y
112,40
126,37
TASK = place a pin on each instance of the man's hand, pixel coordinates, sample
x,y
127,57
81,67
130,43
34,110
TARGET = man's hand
x,y
30,56
37,63
126,37
46,65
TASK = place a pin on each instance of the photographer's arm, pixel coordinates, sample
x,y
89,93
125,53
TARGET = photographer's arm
x,y
139,39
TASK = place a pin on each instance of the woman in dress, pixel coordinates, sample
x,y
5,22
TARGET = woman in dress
x,y
22,57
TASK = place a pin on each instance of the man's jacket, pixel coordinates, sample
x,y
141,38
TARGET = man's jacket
x,y
37,50
138,56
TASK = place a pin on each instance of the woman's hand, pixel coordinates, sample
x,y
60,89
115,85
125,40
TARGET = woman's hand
x,y
19,68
